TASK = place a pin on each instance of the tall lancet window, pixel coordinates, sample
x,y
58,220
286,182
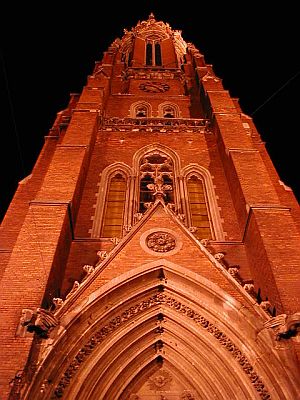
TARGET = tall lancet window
x,y
157,48
112,225
153,53
198,207
156,180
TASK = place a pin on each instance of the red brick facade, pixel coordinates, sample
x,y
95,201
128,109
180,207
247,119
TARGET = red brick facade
x,y
242,285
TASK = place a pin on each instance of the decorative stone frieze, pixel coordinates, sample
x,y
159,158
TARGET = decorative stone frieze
x,y
191,125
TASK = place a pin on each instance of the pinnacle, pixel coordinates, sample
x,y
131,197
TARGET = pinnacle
x,y
151,16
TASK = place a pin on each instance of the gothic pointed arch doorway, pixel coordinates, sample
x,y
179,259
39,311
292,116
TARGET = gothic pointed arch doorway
x,y
160,331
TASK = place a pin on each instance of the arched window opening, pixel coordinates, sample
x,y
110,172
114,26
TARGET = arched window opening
x,y
198,208
149,54
114,207
156,179
169,112
158,61
153,53
146,195
141,111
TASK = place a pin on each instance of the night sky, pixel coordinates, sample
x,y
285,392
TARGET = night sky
x,y
47,52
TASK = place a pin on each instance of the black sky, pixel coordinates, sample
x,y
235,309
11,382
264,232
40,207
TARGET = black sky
x,y
47,52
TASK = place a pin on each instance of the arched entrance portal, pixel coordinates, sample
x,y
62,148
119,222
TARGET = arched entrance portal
x,y
160,332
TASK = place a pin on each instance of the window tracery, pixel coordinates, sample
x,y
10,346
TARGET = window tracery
x,y
156,179
126,193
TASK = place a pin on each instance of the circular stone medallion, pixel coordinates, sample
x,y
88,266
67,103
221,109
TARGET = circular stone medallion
x,y
161,242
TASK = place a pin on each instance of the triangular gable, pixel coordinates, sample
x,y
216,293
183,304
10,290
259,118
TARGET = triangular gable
x,y
160,234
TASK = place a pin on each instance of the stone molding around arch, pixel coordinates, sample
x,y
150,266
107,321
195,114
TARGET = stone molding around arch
x,y
164,314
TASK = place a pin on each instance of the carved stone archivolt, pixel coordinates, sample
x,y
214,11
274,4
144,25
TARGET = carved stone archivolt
x,y
161,242
160,298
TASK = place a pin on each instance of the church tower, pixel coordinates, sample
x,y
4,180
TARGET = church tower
x,y
153,253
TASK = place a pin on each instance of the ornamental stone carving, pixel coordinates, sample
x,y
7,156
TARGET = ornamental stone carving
x,y
161,381
154,87
284,326
170,302
161,242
